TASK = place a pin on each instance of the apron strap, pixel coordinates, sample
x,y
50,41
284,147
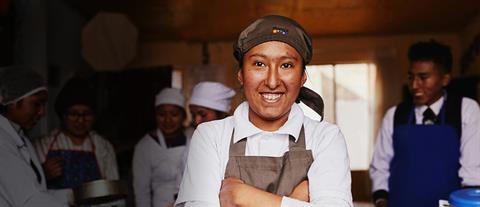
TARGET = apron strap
x,y
55,137
238,149
300,144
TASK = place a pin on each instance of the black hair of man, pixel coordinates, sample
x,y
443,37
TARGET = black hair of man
x,y
438,53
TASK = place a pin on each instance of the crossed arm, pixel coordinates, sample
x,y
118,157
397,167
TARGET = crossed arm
x,y
235,193
204,184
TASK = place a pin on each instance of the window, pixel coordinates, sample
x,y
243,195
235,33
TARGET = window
x,y
348,93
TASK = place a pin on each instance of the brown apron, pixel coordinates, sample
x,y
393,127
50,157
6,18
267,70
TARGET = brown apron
x,y
277,175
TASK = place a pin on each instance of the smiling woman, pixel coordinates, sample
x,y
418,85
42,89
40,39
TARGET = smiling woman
x,y
272,76
158,159
268,153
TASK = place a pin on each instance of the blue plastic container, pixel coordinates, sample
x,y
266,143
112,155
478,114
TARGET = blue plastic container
x,y
465,198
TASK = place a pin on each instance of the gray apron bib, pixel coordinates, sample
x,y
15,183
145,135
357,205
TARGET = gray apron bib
x,y
277,175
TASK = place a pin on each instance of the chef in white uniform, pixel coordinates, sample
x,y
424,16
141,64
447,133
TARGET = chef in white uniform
x,y
158,158
23,95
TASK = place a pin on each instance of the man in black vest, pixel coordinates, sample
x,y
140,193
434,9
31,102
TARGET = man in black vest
x,y
427,146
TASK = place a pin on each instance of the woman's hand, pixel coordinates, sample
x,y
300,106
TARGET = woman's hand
x,y
235,193
230,192
300,192
53,167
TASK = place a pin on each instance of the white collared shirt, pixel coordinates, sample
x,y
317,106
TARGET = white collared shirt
x,y
18,182
329,174
157,170
469,144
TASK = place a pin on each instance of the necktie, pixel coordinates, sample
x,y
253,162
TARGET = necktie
x,y
429,117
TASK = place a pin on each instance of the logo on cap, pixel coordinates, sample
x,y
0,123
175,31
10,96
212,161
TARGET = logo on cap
x,y
282,31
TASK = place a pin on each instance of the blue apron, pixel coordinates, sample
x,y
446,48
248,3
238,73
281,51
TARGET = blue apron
x,y
425,165
78,167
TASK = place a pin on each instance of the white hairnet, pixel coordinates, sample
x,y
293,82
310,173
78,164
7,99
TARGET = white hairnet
x,y
17,83
212,95
170,96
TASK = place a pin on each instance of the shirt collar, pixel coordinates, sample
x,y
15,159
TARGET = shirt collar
x,y
17,132
436,106
244,128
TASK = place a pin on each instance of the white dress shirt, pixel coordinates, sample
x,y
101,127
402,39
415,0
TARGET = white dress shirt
x,y
469,144
329,175
18,181
157,170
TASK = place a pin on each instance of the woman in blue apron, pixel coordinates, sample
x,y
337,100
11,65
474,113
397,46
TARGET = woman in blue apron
x,y
75,154
268,153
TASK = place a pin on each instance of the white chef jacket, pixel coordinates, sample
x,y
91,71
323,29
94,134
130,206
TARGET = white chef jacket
x,y
329,175
104,152
157,170
469,144
18,181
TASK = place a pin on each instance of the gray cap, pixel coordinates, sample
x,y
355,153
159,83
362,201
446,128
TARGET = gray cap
x,y
17,83
274,28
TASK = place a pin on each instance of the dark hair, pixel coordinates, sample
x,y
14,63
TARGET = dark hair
x,y
75,91
434,51
220,114
3,109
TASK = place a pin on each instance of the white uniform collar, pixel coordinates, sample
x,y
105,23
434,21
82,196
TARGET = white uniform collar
x,y
161,139
436,106
13,129
244,128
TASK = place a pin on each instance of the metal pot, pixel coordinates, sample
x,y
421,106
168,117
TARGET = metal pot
x,y
100,191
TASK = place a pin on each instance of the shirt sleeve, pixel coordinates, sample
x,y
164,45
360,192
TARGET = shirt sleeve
x,y
202,177
18,183
329,175
109,160
63,195
142,175
290,202
383,153
470,143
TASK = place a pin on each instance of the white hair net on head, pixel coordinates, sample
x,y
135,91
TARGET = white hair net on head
x,y
17,83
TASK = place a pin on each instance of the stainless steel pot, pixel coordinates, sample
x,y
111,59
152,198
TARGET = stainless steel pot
x,y
100,191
